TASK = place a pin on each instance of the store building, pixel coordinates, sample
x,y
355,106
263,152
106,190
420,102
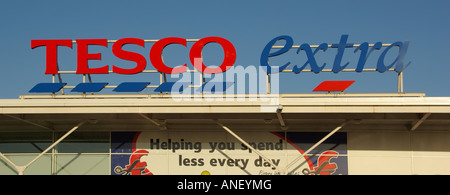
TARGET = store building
x,y
222,134
381,135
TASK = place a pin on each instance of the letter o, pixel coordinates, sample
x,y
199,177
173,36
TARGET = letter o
x,y
156,55
229,55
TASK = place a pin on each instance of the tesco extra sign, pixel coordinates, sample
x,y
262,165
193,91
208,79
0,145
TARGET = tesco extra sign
x,y
155,55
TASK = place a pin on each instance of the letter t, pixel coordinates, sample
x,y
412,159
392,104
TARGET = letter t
x,y
52,52
341,47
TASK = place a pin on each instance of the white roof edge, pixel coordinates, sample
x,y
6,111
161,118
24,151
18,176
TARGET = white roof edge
x,y
231,105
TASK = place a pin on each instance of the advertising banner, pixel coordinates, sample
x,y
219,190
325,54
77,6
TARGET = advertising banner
x,y
219,153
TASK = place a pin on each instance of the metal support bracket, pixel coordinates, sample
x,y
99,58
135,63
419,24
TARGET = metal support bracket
x,y
415,125
246,144
21,169
161,126
280,118
45,125
317,144
400,82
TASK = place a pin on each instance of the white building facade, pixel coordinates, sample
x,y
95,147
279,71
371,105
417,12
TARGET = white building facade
x,y
324,134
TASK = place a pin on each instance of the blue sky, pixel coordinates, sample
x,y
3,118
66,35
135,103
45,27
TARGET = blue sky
x,y
249,25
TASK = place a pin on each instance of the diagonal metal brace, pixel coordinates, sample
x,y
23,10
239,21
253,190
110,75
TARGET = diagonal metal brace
x,y
415,125
21,169
45,125
317,144
161,126
246,144
280,118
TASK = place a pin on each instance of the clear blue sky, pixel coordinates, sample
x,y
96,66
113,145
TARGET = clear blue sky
x,y
249,25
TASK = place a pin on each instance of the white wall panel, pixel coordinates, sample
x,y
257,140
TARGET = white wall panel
x,y
393,153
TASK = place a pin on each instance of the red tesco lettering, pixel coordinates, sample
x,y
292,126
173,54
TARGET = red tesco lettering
x,y
155,55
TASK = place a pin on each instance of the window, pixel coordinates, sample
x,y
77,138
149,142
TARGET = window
x,y
81,153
